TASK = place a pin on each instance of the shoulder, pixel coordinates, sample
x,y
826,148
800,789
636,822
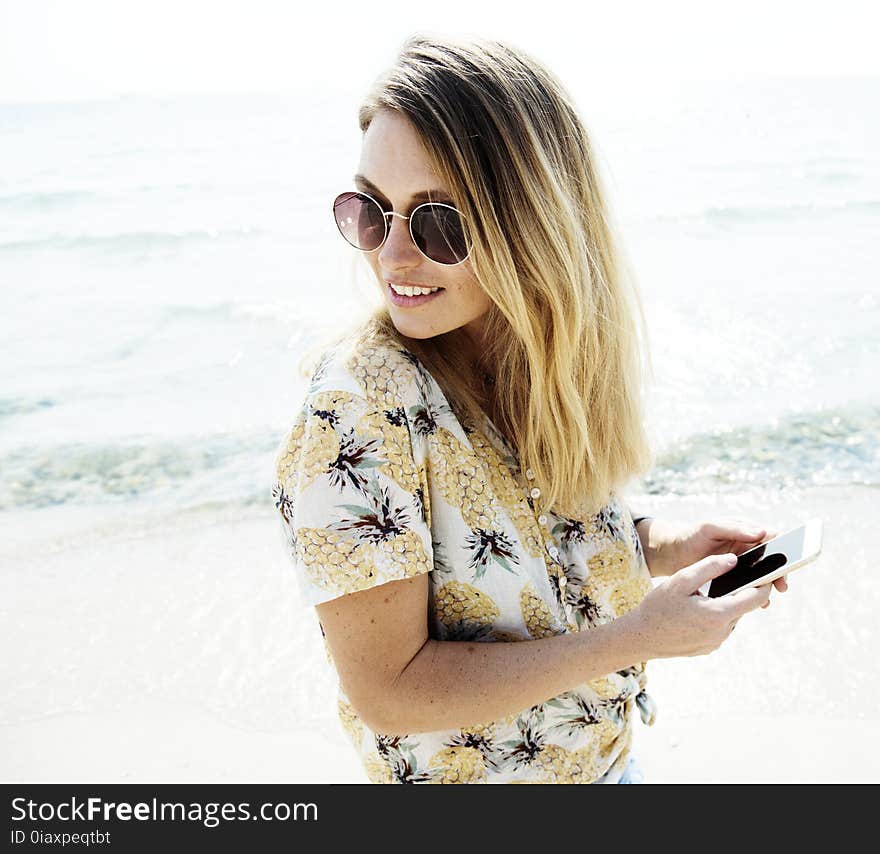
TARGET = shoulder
x,y
358,391
379,373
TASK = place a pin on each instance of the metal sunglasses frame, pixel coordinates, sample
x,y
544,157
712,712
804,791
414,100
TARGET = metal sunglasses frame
x,y
386,214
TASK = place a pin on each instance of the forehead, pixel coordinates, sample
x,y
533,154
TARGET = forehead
x,y
393,157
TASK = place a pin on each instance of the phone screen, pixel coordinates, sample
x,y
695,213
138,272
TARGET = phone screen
x,y
761,561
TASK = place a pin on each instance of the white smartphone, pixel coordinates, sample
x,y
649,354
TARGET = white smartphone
x,y
768,561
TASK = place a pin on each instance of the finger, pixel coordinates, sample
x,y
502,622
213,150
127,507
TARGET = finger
x,y
781,584
744,531
692,578
746,600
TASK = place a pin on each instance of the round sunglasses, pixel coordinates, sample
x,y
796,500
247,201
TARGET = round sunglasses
x,y
436,229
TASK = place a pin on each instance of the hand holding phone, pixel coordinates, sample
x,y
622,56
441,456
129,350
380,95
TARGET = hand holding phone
x,y
768,561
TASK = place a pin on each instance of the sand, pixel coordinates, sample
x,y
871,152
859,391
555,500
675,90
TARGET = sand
x,y
158,650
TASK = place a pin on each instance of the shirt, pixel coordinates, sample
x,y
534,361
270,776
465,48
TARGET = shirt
x,y
378,480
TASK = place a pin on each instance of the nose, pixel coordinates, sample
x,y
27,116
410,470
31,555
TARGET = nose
x,y
398,250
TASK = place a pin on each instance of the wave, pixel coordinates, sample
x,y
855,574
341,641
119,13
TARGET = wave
x,y
135,241
49,199
734,215
182,472
46,201
821,448
748,214
22,405
835,160
839,177
285,312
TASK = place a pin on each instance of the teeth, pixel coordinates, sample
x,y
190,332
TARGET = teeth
x,y
412,292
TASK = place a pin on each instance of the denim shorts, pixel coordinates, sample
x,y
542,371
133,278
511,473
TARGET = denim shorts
x,y
632,773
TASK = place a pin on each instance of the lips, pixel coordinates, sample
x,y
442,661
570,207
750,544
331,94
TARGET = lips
x,y
410,302
410,284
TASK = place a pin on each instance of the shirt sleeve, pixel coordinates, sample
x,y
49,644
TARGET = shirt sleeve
x,y
351,497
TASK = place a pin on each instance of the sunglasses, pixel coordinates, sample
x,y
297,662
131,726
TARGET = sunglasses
x,y
436,229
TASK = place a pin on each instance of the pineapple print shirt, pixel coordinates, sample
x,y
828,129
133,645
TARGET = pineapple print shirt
x,y
377,480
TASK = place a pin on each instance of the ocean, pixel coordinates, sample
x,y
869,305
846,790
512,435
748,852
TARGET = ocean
x,y
165,262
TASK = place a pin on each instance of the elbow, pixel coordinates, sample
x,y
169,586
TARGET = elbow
x,y
377,707
380,718
388,711
384,703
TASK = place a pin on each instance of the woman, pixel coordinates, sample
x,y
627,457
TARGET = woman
x,y
449,491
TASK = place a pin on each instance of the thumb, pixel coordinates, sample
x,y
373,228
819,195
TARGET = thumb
x,y
691,578
749,599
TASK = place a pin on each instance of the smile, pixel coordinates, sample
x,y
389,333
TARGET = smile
x,y
406,301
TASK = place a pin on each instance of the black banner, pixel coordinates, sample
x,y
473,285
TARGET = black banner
x,y
142,817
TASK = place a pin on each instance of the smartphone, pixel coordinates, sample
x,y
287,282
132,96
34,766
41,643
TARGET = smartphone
x,y
768,561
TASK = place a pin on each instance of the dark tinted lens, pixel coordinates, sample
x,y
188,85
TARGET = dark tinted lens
x,y
439,233
359,220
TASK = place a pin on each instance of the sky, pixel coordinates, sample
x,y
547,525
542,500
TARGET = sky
x,y
55,50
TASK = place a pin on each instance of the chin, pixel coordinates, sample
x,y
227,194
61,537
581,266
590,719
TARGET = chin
x,y
412,330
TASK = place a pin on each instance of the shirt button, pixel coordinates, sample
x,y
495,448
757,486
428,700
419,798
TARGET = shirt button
x,y
554,552
563,581
535,493
530,474
542,519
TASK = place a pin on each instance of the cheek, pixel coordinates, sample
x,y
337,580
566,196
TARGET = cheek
x,y
466,290
472,297
482,299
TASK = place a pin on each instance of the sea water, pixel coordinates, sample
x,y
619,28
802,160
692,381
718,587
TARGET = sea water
x,y
165,262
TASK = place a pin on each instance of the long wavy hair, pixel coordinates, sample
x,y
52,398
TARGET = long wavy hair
x,y
566,332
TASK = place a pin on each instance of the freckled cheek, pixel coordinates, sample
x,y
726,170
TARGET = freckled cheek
x,y
458,297
465,292
465,299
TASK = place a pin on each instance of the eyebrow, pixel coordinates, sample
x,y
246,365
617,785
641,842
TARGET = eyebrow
x,y
424,195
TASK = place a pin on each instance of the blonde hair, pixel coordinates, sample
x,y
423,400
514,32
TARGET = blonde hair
x,y
566,331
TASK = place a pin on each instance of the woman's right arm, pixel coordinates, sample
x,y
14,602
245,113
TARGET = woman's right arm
x,y
401,681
